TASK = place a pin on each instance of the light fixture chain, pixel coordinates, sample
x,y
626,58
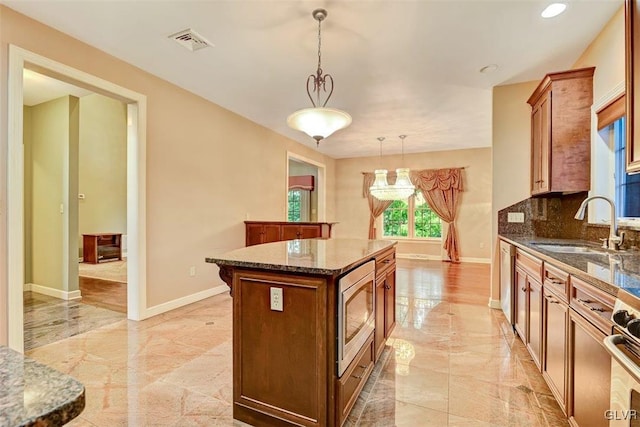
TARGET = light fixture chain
x,y
319,47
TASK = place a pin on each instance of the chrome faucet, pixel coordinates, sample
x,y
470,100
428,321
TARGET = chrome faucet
x,y
614,241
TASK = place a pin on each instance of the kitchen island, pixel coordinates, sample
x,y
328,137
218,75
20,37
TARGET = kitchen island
x,y
288,309
32,394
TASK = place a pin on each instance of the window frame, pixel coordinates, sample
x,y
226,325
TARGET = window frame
x,y
411,225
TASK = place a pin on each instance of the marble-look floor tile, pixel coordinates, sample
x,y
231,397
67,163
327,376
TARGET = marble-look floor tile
x,y
451,361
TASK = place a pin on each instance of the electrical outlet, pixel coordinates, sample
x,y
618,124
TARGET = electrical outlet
x,y
276,299
192,271
515,217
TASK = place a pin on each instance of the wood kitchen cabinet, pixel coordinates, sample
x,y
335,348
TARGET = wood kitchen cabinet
x,y
632,78
528,303
561,132
385,299
589,361
258,232
555,320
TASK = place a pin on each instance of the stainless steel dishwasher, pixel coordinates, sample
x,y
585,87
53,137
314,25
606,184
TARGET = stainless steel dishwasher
x,y
507,266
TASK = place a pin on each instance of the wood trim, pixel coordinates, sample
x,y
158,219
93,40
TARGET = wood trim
x,y
630,12
612,111
557,76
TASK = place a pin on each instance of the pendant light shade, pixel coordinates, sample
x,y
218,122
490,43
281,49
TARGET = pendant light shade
x,y
319,122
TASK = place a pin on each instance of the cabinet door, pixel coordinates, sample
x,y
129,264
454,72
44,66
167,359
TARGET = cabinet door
x,y
309,231
555,317
290,231
271,233
380,308
540,144
632,122
520,301
534,343
390,302
254,234
590,373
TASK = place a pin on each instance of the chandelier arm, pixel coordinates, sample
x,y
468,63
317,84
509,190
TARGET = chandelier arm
x,y
329,78
312,80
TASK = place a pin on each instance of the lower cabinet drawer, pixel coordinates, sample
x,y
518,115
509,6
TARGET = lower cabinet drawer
x,y
351,382
595,305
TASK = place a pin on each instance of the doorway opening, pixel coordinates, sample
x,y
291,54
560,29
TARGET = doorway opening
x,y
67,209
306,188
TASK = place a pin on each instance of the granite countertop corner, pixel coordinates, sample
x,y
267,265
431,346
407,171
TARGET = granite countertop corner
x,y
32,394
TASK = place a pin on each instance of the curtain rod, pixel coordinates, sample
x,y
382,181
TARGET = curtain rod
x,y
460,167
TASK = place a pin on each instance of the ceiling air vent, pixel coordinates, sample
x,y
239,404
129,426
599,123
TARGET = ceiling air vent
x,y
190,40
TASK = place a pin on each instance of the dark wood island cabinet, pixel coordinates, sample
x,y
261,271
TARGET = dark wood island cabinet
x,y
258,232
290,367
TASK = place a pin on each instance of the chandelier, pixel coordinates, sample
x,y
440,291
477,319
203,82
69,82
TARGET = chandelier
x,y
402,189
319,122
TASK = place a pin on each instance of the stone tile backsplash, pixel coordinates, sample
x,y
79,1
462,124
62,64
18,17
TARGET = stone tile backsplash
x,y
553,216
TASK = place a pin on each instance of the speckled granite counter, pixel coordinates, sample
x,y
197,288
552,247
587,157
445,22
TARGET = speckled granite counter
x,y
607,270
32,394
310,256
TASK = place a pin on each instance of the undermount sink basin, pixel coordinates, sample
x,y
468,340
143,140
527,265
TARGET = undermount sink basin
x,y
571,249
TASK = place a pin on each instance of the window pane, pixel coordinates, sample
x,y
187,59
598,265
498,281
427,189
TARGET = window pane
x,y
396,219
627,186
294,205
426,223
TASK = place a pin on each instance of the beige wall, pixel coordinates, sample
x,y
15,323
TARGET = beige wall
x,y
511,157
53,146
207,168
474,216
606,53
102,166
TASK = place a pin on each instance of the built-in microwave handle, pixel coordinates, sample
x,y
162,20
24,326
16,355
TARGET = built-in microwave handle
x,y
611,344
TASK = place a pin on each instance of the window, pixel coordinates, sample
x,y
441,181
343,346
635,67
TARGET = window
x,y
627,187
421,223
294,205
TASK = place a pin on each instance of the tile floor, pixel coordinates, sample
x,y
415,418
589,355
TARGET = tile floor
x,y
452,361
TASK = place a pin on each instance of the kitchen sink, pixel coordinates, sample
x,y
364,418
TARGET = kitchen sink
x,y
571,249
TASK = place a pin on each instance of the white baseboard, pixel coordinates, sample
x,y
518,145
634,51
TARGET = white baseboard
x,y
419,256
52,292
495,303
476,260
439,258
180,302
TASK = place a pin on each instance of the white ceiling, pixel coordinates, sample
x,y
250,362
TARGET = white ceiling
x,y
400,67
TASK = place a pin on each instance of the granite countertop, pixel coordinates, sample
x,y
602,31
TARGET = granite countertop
x,y
607,270
310,256
32,394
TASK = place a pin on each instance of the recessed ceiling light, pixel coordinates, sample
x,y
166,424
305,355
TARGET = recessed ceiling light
x,y
489,68
554,9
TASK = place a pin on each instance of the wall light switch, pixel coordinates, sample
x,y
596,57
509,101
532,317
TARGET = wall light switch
x,y
515,217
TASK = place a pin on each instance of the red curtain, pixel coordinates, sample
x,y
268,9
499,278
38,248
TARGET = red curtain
x,y
301,182
376,207
441,189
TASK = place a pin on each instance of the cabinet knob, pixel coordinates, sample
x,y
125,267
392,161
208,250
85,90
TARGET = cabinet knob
x,y
598,309
387,287
523,289
585,301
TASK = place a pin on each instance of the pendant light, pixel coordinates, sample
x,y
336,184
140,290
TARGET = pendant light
x,y
402,189
380,186
403,186
319,122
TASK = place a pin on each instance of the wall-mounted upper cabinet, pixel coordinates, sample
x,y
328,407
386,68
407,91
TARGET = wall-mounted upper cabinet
x,y
632,77
561,132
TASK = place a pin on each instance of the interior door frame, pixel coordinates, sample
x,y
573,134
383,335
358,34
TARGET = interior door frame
x,y
19,59
321,186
